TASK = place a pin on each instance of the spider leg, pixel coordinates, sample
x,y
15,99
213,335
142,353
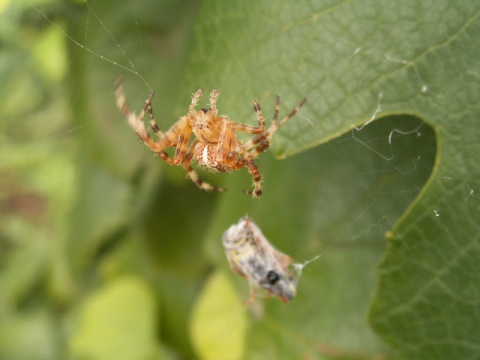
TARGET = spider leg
x,y
262,141
167,139
158,132
192,174
257,178
137,122
193,104
277,109
227,141
213,101
122,105
178,136
261,119
289,116
249,129
153,122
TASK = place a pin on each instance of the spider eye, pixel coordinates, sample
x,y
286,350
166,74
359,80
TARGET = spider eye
x,y
205,110
272,277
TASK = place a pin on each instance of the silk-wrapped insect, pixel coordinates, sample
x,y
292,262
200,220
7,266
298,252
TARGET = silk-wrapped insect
x,y
253,257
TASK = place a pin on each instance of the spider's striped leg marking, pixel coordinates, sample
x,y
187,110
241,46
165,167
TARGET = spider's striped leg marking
x,y
134,121
158,132
257,178
293,112
261,119
192,174
260,142
137,122
153,122
227,141
277,108
249,129
179,134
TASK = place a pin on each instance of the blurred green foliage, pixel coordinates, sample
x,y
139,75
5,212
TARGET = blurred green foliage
x,y
108,253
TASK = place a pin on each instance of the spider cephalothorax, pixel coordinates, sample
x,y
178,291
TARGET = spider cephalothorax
x,y
215,145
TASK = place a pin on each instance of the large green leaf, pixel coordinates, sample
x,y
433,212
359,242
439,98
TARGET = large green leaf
x,y
385,144
219,308
357,62
125,306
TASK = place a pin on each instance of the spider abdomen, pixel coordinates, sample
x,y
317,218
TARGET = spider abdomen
x,y
207,155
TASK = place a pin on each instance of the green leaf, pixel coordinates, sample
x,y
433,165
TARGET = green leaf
x,y
29,335
390,126
117,322
219,323
357,62
50,54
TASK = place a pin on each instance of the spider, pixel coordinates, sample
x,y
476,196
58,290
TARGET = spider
x,y
215,145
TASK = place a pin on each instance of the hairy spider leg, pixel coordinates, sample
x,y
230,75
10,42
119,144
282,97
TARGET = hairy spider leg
x,y
228,141
153,122
193,104
260,142
137,122
257,179
250,129
178,135
260,118
214,94
228,130
258,139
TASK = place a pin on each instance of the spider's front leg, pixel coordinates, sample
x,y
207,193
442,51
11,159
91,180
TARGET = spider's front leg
x,y
137,123
177,136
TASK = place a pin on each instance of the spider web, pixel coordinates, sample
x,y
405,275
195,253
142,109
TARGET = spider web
x,y
378,168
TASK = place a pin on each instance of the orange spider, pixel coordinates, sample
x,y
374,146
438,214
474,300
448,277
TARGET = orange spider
x,y
215,146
